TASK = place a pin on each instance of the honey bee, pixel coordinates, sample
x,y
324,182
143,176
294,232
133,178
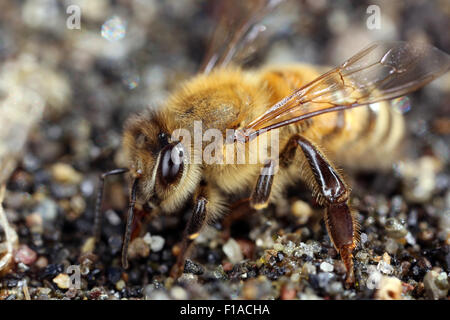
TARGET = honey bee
x,y
310,111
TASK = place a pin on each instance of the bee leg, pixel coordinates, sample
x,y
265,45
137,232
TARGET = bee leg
x,y
98,213
259,198
141,219
195,224
331,191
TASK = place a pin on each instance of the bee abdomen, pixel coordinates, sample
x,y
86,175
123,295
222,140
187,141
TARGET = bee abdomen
x,y
367,137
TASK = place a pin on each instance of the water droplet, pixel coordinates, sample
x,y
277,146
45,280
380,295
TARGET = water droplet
x,y
131,80
114,29
402,104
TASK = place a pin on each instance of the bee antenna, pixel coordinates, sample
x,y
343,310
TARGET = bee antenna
x,y
127,236
98,204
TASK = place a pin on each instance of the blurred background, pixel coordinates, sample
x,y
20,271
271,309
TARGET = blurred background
x,y
67,88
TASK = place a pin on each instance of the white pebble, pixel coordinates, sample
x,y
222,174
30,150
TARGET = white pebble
x,y
385,268
374,279
390,288
157,243
233,251
326,267
147,238
178,293
410,239
364,238
259,242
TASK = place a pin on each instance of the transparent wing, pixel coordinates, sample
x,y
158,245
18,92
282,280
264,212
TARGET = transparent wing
x,y
237,31
382,71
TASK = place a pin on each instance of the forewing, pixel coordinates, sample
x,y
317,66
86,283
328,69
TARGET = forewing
x,y
382,71
237,31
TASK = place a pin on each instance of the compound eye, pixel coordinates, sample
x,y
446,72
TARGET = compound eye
x,y
171,163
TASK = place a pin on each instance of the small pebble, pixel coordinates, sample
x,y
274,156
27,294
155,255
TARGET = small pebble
x,y
363,238
178,293
390,288
302,211
385,268
62,280
138,248
289,248
112,217
34,222
120,285
188,278
395,229
326,267
192,267
25,255
148,238
419,178
362,256
410,239
157,243
89,245
233,251
41,262
48,209
434,287
65,173
308,268
374,278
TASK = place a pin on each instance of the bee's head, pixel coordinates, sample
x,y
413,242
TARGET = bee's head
x,y
166,178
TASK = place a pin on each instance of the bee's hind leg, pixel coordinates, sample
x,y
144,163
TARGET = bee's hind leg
x,y
331,191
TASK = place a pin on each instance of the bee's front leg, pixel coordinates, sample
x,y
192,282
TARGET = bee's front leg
x,y
195,224
332,192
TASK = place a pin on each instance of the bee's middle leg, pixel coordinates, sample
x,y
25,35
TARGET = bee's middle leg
x,y
331,191
259,199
